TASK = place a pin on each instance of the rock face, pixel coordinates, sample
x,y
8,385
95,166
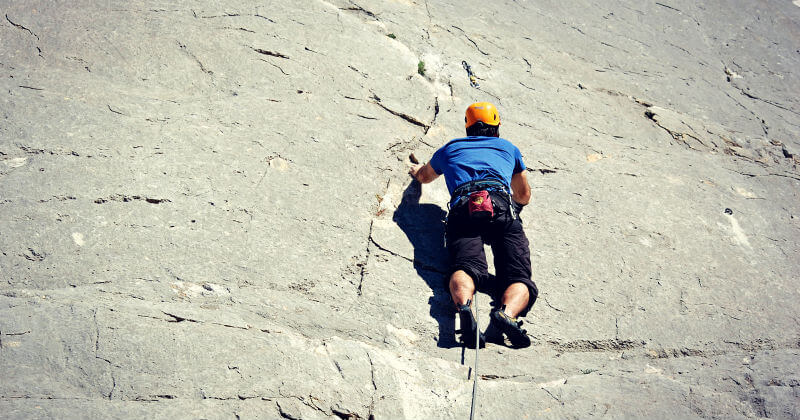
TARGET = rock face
x,y
206,213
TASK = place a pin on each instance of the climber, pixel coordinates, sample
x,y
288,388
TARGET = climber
x,y
488,186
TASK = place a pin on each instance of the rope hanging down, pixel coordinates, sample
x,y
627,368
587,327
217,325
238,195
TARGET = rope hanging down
x,y
475,369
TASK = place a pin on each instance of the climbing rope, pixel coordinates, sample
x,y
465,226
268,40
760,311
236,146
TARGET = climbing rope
x,y
475,369
473,81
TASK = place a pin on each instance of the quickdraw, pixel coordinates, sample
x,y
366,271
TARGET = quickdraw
x,y
473,81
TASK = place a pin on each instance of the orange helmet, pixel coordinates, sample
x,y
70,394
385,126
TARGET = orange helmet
x,y
484,112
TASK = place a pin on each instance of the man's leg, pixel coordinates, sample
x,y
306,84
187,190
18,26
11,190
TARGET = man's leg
x,y
512,260
466,255
513,264
462,287
515,299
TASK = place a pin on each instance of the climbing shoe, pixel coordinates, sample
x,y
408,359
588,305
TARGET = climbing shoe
x,y
501,324
469,327
493,333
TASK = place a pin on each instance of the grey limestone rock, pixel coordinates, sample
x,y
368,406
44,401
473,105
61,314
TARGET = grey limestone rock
x,y
206,211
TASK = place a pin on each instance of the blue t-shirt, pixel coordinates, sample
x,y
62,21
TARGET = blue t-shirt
x,y
477,158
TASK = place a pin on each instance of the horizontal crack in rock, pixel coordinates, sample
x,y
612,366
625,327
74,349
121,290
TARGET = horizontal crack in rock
x,y
194,57
412,120
597,345
155,397
674,134
128,198
543,171
176,318
684,352
32,255
471,40
271,53
357,8
33,151
766,101
21,27
115,111
492,377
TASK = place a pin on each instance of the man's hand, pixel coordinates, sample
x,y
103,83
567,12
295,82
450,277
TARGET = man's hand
x,y
415,170
423,173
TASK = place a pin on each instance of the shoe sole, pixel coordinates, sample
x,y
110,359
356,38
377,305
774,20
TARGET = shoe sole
x,y
517,336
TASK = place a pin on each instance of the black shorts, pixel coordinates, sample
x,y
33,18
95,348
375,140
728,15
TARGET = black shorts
x,y
510,246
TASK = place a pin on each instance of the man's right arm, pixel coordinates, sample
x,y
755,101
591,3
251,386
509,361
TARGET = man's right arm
x,y
423,173
520,188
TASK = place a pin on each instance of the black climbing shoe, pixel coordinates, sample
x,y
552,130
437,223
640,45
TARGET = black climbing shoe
x,y
469,327
501,324
493,333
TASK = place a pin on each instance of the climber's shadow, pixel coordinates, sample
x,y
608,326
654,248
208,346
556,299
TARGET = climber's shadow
x,y
424,226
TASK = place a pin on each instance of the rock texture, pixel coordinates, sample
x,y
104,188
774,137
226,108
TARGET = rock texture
x,y
206,213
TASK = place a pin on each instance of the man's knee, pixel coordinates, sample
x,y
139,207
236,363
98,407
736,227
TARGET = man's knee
x,y
519,290
460,279
462,287
522,295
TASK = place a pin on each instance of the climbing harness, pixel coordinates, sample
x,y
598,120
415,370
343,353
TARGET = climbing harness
x,y
461,197
473,81
462,192
475,369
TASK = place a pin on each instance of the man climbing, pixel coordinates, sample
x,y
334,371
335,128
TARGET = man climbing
x,y
488,188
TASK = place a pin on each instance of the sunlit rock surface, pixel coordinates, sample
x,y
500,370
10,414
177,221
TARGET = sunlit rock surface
x,y
205,210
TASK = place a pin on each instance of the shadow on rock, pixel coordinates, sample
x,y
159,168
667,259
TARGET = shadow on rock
x,y
424,226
